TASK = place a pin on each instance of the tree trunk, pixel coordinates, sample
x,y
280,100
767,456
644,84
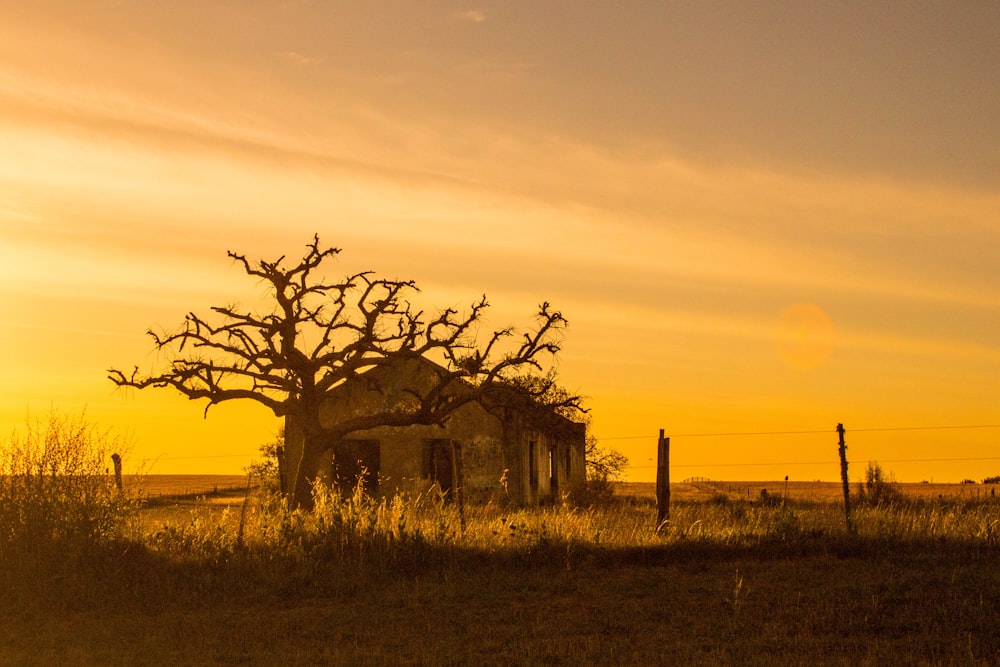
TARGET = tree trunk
x,y
306,470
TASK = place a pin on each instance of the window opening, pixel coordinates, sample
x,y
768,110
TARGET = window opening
x,y
438,466
532,463
553,473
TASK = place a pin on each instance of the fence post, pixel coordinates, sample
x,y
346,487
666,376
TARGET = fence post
x,y
243,511
662,480
117,460
457,483
844,479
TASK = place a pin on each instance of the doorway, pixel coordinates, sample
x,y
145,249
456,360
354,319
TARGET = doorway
x,y
356,461
441,462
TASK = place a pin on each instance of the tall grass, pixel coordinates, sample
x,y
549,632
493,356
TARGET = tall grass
x,y
354,534
599,583
975,521
56,493
60,511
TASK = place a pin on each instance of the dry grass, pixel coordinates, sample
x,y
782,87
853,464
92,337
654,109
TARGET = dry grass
x,y
156,486
399,581
822,492
739,609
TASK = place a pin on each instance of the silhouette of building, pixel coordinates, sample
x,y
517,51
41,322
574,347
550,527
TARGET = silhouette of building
x,y
503,446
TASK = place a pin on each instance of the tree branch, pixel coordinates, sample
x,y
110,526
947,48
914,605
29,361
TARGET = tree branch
x,y
320,334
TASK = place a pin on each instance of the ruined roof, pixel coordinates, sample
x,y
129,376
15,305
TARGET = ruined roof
x,y
391,380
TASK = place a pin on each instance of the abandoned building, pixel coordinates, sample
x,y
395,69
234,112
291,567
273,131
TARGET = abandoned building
x,y
504,446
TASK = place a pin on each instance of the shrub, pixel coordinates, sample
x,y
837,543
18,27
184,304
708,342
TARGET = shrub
x,y
784,525
596,491
719,498
879,487
56,488
268,471
606,465
604,468
770,499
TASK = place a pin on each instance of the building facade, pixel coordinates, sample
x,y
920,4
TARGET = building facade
x,y
503,447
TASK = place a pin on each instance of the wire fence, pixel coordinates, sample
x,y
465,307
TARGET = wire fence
x,y
735,434
806,432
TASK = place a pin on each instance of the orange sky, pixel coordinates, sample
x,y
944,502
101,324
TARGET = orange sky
x,y
677,178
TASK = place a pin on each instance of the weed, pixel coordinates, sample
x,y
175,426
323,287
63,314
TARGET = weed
x,y
879,487
55,488
784,524
734,599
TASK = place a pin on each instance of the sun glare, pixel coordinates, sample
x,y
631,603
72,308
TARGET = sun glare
x,y
805,336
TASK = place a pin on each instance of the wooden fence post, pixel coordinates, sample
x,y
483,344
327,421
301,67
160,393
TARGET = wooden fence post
x,y
844,479
243,511
116,459
457,482
662,480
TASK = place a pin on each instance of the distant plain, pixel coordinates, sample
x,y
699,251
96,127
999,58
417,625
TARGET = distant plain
x,y
154,486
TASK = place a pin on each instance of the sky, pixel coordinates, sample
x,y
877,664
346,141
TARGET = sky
x,y
760,219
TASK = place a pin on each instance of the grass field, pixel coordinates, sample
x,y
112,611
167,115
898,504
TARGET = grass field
x,y
808,491
155,486
731,580
738,610
176,485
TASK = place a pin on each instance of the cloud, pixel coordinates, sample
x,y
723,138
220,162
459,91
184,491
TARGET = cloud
x,y
675,220
472,15
300,59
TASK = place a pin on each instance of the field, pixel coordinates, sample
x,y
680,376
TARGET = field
x,y
832,492
185,485
733,579
155,486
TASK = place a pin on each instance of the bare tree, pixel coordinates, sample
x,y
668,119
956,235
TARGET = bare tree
x,y
320,334
543,391
603,464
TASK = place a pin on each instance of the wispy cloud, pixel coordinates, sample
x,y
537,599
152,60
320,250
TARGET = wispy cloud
x,y
695,217
472,15
300,59
498,71
476,166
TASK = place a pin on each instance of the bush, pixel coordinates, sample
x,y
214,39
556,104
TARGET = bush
x,y
56,488
604,468
879,487
595,492
607,465
268,471
784,525
770,499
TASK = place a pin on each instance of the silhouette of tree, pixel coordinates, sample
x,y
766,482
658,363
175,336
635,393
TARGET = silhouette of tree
x,y
603,464
542,390
320,334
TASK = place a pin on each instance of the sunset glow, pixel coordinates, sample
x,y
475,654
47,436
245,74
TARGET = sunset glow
x,y
806,336
757,220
